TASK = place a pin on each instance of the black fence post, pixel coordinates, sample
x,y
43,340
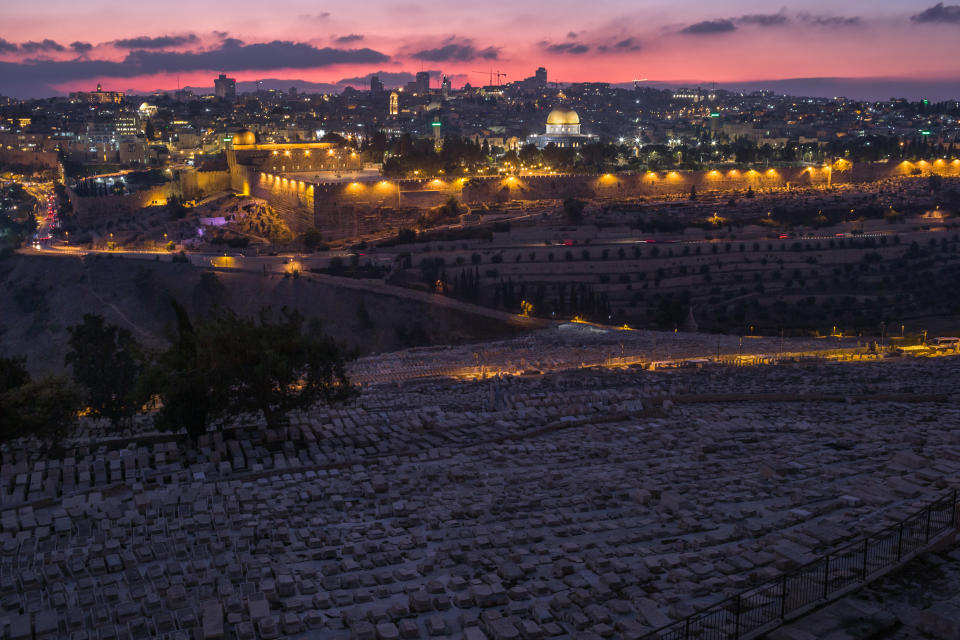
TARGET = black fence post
x,y
806,579
783,598
900,542
866,548
736,627
826,576
953,510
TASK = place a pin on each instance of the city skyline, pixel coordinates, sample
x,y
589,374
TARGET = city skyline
x,y
732,43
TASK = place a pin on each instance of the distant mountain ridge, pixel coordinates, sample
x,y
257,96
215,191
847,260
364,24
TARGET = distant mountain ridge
x,y
856,88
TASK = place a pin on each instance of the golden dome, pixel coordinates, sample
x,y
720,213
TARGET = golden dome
x,y
562,115
244,137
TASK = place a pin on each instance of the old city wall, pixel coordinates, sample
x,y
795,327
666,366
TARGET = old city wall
x,y
480,191
94,211
344,209
349,208
197,184
32,159
293,200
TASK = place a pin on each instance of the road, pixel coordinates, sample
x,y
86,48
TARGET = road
x,y
46,211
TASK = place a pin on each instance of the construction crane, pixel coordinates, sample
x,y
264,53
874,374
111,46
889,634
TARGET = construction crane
x,y
493,73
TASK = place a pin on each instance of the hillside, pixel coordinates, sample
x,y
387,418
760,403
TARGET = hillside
x,y
40,296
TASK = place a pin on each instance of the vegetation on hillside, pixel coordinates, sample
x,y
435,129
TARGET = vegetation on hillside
x,y
216,367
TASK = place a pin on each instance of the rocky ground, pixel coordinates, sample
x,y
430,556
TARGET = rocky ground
x,y
573,504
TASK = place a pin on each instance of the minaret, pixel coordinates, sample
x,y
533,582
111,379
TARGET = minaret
x,y
437,140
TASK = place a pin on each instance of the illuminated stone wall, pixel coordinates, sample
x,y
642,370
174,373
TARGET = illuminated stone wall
x,y
638,185
197,184
294,158
292,199
345,209
93,211
947,168
37,160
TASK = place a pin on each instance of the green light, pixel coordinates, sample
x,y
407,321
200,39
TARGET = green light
x,y
925,133
714,115
435,124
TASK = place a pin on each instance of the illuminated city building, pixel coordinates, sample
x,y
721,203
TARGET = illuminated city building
x,y
127,125
147,110
225,88
563,130
394,104
422,83
97,97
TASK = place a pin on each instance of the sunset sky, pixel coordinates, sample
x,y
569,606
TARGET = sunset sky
x,y
54,46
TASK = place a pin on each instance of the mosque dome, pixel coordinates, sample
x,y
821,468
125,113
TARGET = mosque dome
x,y
563,116
244,137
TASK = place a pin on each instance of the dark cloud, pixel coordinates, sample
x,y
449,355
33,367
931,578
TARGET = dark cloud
x,y
353,37
45,45
764,19
621,46
457,52
710,27
573,48
160,42
38,77
727,25
278,54
572,35
939,13
316,17
829,21
81,47
7,47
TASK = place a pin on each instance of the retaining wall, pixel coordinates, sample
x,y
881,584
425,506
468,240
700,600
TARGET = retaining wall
x,y
345,208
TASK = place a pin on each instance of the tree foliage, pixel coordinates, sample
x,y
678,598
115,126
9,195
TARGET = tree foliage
x,y
225,365
273,366
178,378
44,408
107,363
573,211
13,373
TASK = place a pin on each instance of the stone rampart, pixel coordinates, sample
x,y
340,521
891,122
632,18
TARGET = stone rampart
x,y
344,208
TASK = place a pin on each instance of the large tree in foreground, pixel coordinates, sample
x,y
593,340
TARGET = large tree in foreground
x,y
273,366
107,362
180,381
45,409
225,365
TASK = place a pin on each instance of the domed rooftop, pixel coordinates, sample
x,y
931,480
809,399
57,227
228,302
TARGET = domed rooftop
x,y
244,136
562,115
